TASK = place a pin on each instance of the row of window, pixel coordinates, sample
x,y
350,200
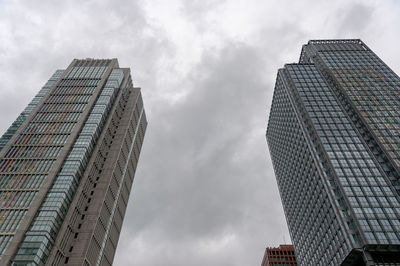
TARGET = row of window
x,y
10,199
49,127
376,225
82,84
4,242
282,263
60,117
62,107
78,98
381,237
281,253
361,177
73,90
10,219
21,181
376,213
26,166
29,139
86,72
350,59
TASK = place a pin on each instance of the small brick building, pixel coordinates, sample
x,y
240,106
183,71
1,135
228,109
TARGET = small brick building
x,y
282,255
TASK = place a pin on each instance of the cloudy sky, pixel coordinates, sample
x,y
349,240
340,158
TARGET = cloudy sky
x,y
204,191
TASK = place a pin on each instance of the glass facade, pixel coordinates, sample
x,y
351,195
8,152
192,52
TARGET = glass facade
x,y
21,118
334,94
309,212
44,161
41,235
25,166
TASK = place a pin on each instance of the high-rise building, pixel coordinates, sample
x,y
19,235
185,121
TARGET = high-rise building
x,y
67,165
282,256
333,136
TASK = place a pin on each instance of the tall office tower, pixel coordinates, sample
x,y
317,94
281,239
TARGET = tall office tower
x,y
67,166
282,256
333,135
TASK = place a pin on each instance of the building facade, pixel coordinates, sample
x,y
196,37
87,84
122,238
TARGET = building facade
x,y
333,136
280,256
67,165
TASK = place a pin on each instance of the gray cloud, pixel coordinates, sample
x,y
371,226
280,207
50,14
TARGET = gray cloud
x,y
204,169
204,192
356,19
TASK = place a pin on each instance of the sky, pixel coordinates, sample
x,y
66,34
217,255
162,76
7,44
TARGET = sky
x,y
204,191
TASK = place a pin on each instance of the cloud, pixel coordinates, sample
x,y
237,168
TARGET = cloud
x,y
356,19
203,169
205,191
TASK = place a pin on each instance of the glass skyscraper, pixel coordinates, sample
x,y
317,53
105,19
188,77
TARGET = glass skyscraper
x,y
334,139
67,165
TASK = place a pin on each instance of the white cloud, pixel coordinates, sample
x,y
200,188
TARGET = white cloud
x,y
207,69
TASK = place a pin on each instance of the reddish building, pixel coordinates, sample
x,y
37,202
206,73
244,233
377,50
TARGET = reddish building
x,y
283,255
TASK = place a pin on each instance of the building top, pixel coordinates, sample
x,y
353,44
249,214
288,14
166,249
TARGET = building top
x,y
282,247
282,255
313,46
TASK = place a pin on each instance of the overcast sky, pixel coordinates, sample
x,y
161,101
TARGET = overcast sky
x,y
204,191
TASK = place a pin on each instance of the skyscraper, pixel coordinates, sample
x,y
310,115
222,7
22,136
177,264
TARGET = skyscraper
x,y
282,255
67,165
333,135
